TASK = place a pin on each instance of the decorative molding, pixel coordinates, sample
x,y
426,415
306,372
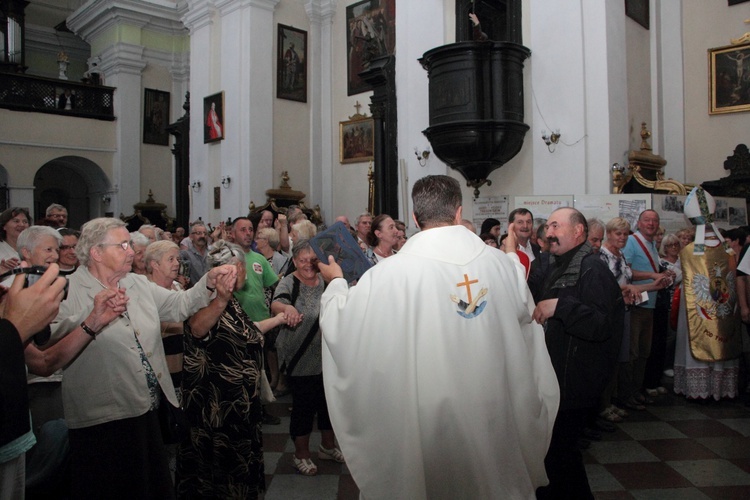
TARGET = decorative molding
x,y
123,58
48,41
93,18
269,5
198,15
41,145
320,10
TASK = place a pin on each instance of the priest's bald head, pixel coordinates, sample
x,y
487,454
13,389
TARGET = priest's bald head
x,y
437,201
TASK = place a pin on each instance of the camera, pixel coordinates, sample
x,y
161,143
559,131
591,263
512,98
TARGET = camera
x,y
33,274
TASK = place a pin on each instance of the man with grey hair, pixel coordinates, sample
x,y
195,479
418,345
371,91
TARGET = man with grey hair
x,y
195,256
596,233
58,214
444,334
364,222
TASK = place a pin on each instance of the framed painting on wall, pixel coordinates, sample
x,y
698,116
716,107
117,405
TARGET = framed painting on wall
x,y
729,79
155,117
371,32
357,140
291,64
213,118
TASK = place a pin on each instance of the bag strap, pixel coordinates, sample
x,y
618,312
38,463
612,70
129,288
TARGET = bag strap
x,y
310,334
645,250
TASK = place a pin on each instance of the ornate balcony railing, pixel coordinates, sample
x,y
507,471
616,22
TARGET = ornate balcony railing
x,y
48,95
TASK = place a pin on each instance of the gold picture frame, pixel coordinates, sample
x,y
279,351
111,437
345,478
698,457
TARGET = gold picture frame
x,y
729,79
357,140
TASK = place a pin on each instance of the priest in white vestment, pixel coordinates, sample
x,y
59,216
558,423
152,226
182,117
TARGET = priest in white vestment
x,y
438,383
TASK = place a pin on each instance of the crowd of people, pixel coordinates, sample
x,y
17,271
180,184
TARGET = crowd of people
x,y
542,337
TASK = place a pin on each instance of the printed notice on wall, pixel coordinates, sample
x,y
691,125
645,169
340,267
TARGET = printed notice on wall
x,y
495,207
542,206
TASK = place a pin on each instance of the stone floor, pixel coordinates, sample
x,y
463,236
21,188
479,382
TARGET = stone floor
x,y
673,450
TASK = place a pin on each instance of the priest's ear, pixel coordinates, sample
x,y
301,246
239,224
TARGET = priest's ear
x,y
459,216
414,218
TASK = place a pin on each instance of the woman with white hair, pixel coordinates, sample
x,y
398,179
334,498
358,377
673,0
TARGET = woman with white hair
x,y
112,390
139,242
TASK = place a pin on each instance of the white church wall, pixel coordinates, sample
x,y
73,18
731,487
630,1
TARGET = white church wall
x,y
157,173
709,139
291,119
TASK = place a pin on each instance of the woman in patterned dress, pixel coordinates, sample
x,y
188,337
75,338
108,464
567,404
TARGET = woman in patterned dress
x,y
221,393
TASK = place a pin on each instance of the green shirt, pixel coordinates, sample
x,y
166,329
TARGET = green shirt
x,y
251,296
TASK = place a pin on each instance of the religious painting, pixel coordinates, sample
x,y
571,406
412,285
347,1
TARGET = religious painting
x,y
291,64
155,117
729,79
371,32
213,118
217,198
357,140
638,11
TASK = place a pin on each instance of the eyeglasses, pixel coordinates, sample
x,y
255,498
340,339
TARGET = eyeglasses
x,y
672,245
69,247
124,245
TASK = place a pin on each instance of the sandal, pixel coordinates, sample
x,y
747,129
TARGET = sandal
x,y
610,416
305,466
332,454
619,411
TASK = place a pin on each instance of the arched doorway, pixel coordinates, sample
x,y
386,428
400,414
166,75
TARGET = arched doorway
x,y
75,183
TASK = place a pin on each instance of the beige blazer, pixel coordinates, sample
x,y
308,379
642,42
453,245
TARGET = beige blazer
x,y
107,382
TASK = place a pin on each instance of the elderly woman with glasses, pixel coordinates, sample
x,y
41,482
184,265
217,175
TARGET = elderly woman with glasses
x,y
112,390
300,354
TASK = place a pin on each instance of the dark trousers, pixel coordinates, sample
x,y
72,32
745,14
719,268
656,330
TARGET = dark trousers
x,y
655,363
564,463
123,459
309,399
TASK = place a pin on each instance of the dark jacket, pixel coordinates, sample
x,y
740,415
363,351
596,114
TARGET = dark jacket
x,y
583,336
14,399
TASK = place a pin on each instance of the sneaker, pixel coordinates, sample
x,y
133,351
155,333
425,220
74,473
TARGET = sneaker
x,y
330,454
669,373
662,390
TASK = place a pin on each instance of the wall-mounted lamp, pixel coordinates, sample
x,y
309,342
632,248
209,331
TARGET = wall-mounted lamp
x,y
106,199
551,140
616,167
196,186
422,156
225,181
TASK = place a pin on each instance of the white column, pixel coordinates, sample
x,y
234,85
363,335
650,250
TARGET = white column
x,y
122,65
420,27
256,153
320,73
199,20
667,87
579,87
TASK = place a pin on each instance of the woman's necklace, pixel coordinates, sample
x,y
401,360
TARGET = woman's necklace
x,y
381,253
